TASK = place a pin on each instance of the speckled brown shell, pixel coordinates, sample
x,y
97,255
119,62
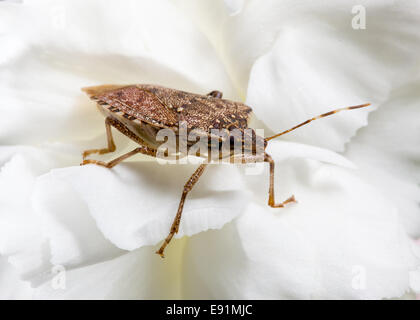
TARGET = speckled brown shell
x,y
166,108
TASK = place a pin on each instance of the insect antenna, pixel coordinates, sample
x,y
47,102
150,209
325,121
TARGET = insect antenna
x,y
315,118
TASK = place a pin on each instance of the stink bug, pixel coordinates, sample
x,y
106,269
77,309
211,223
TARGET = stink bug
x,y
140,111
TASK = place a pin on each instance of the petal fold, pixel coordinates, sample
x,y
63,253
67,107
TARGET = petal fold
x,y
134,204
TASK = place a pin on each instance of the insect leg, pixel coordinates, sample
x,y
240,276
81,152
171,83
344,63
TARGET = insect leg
x,y
143,149
175,224
271,201
241,158
111,145
215,94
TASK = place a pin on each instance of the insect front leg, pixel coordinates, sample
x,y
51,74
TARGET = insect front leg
x,y
241,158
271,201
111,145
175,224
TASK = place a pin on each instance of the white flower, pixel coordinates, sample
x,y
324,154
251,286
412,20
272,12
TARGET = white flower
x,y
351,234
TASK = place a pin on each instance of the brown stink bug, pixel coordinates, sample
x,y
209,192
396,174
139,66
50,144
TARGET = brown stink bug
x,y
140,111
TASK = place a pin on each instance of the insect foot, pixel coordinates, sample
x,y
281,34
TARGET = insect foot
x,y
281,205
160,252
173,231
89,161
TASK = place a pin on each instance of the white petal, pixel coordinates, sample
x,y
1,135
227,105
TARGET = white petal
x,y
72,233
140,274
11,286
209,17
234,6
21,238
388,153
341,240
134,203
70,44
415,274
282,150
307,59
31,236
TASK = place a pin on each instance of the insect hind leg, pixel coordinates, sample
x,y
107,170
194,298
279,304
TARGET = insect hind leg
x,y
111,144
144,148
